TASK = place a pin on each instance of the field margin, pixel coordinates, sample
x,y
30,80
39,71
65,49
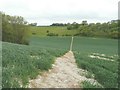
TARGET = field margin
x,y
0,51
119,45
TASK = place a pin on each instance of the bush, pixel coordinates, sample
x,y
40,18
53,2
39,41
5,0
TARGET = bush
x,y
52,34
33,33
67,35
69,27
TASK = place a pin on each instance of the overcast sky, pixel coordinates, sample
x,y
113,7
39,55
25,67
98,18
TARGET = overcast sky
x,y
46,12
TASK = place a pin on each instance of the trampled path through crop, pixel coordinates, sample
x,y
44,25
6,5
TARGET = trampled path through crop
x,y
64,74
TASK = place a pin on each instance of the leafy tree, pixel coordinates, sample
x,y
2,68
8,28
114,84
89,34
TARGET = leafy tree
x,y
14,29
84,23
69,27
58,24
74,25
33,24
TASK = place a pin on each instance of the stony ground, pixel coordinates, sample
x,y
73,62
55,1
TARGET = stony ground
x,y
64,74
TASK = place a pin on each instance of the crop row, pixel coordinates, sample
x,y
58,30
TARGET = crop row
x,y
105,71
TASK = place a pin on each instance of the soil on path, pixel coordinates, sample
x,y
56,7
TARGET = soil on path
x,y
64,74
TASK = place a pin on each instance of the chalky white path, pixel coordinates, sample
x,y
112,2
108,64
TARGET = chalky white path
x,y
64,74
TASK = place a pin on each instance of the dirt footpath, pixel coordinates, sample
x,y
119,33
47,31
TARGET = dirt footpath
x,y
64,74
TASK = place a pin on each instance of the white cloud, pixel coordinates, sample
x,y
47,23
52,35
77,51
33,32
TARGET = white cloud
x,y
49,11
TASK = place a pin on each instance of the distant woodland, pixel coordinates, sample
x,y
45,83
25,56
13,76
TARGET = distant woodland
x,y
16,30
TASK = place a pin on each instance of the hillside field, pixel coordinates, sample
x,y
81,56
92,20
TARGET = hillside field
x,y
44,30
96,55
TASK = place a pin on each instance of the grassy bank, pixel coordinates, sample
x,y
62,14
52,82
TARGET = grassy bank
x,y
57,30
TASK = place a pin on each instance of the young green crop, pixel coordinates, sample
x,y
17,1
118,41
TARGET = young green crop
x,y
105,65
20,63
105,71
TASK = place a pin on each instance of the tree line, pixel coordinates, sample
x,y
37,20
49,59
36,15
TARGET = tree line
x,y
14,29
109,29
